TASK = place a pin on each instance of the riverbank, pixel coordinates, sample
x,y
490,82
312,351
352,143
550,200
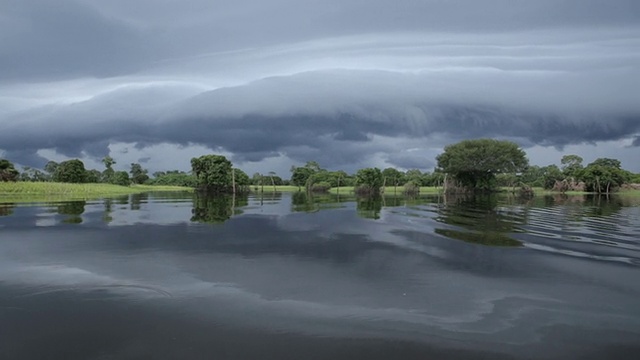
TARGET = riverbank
x,y
47,191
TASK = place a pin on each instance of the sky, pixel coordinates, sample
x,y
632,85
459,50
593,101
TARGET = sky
x,y
346,83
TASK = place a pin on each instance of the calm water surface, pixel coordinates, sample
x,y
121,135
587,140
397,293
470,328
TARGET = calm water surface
x,y
286,276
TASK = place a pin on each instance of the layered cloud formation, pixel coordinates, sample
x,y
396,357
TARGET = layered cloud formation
x,y
347,83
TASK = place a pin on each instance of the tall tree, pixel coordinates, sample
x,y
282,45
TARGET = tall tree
x,y
475,163
8,171
369,181
571,165
213,173
138,174
604,174
70,171
107,174
120,178
300,175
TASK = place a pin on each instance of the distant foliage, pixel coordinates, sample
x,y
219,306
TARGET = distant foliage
x,y
475,163
604,174
121,178
213,173
138,174
70,171
173,178
369,181
7,171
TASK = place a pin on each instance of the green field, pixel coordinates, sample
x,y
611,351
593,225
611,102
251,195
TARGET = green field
x,y
47,191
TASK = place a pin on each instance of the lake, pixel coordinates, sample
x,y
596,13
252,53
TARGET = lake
x,y
289,276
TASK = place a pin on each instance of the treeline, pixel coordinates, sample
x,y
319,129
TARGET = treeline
x,y
603,175
74,171
470,165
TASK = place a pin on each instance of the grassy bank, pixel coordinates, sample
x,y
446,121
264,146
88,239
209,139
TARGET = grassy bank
x,y
47,191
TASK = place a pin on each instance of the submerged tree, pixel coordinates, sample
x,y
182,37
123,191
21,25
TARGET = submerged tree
x,y
604,174
475,163
369,181
213,173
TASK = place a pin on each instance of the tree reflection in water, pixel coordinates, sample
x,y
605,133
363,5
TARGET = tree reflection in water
x,y
218,208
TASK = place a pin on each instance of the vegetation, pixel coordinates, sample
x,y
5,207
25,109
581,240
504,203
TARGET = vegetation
x,y
369,181
467,166
8,171
70,171
475,163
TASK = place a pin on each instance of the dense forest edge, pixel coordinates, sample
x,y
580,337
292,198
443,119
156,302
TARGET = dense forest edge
x,y
469,166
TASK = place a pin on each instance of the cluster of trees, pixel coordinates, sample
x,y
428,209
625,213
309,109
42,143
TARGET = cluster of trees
x,y
600,176
469,165
74,171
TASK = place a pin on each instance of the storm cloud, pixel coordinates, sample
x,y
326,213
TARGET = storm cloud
x,y
348,84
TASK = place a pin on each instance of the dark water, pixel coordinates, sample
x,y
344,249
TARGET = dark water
x,y
284,276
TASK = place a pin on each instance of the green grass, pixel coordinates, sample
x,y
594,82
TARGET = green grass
x,y
47,191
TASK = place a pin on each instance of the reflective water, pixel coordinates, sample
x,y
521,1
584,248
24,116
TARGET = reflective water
x,y
286,276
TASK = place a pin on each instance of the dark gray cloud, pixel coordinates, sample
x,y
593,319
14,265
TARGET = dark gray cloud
x,y
348,83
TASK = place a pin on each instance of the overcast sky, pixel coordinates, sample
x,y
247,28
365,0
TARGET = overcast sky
x,y
347,83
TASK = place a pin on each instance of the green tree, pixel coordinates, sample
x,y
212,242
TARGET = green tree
x,y
533,176
604,174
242,181
551,174
173,178
392,177
121,178
571,166
51,168
70,171
8,171
300,175
92,176
369,181
414,176
475,163
138,174
108,173
213,173
31,174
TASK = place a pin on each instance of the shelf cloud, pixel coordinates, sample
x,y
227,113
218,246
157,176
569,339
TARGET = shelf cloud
x,y
345,83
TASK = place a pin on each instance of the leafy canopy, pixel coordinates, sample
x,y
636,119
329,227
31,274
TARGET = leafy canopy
x,y
474,163
212,172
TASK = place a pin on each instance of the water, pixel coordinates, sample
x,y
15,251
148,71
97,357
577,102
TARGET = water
x,y
285,276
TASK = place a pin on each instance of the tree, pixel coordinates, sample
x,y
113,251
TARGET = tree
x,y
273,183
108,173
551,174
138,174
213,173
603,174
121,178
571,165
414,176
92,176
31,174
392,177
369,181
8,171
173,178
51,168
241,177
475,163
70,171
300,175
